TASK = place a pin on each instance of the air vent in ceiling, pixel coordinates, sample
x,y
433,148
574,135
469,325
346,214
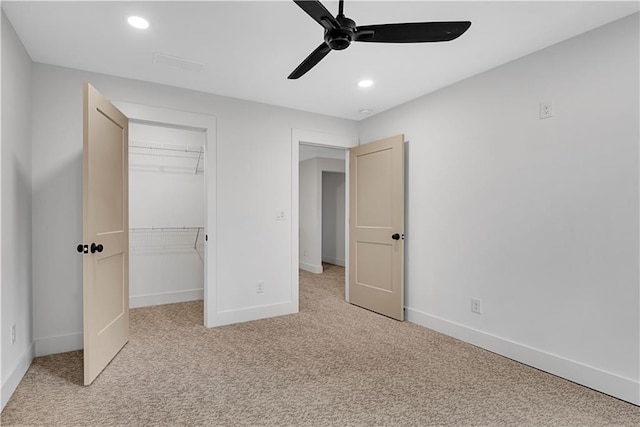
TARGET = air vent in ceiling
x,y
175,62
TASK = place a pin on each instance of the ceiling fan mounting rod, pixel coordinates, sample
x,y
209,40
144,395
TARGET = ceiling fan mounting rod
x,y
340,8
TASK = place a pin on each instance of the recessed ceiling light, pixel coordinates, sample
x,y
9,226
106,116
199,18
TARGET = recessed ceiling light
x,y
365,83
138,22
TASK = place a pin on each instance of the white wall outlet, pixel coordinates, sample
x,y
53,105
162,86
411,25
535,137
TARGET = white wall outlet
x,y
279,215
13,334
476,305
260,287
546,110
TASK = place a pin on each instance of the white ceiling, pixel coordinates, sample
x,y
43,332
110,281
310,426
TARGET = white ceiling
x,y
249,48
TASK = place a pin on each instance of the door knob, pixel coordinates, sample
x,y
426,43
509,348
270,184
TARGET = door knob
x,y
83,249
96,248
395,236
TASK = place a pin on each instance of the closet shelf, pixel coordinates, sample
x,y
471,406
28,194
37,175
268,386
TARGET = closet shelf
x,y
161,148
199,231
169,150
134,229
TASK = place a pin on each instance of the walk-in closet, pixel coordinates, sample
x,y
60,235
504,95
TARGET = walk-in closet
x,y
166,215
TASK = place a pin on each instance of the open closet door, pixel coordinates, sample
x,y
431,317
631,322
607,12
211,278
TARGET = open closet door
x,y
376,226
105,232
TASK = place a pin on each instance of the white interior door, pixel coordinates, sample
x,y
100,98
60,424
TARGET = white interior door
x,y
105,232
376,227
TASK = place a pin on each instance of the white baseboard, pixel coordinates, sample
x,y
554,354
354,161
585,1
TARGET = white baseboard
x,y
606,382
72,342
316,269
253,313
334,261
11,382
136,301
59,344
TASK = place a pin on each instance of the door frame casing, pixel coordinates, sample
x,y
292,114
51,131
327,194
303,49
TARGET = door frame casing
x,y
327,140
157,116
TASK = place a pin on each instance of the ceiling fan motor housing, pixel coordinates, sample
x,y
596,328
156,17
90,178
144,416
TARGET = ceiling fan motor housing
x,y
341,38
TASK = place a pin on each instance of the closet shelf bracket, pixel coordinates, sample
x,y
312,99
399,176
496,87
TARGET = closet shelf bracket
x,y
198,163
195,243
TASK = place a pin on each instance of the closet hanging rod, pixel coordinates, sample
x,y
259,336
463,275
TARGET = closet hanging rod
x,y
166,229
179,150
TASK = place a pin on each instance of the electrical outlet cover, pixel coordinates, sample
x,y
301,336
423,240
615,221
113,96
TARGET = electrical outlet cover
x,y
546,109
476,305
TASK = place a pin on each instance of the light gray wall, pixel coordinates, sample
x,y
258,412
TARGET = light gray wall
x,y
333,197
16,211
309,222
537,218
310,209
254,176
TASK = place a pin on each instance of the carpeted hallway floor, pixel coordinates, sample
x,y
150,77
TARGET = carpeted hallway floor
x,y
332,364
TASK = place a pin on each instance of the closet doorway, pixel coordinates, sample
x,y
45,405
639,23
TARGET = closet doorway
x,y
322,195
205,125
166,214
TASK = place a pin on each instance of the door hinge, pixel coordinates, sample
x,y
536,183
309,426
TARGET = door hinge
x,y
206,237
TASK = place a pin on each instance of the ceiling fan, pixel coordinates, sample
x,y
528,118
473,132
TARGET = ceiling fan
x,y
340,31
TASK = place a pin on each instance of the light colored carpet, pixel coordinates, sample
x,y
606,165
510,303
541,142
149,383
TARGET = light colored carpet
x,y
332,364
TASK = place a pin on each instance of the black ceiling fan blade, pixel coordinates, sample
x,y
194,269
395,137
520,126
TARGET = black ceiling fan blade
x,y
319,13
311,61
412,32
